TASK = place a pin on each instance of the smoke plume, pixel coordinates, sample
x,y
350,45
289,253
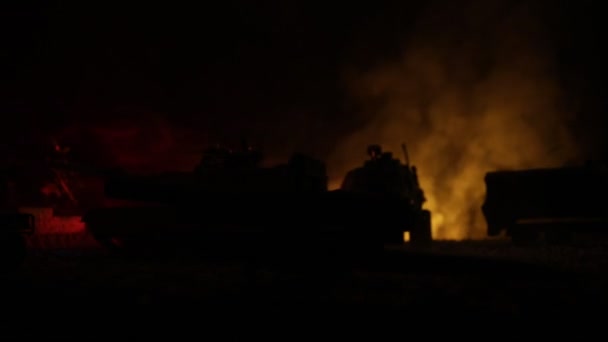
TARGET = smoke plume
x,y
474,90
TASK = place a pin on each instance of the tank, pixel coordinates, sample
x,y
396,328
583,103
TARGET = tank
x,y
396,185
231,204
528,204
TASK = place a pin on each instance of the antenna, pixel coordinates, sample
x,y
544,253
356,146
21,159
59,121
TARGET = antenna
x,y
405,154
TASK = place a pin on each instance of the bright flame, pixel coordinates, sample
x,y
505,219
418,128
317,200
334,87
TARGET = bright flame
x,y
489,102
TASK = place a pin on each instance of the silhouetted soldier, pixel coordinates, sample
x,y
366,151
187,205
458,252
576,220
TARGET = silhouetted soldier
x,y
374,151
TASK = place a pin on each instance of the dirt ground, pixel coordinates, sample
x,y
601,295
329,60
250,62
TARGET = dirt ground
x,y
91,289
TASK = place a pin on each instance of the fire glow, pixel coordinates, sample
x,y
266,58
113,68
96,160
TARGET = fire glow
x,y
489,102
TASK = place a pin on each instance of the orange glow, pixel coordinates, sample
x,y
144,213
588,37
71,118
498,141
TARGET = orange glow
x,y
334,184
492,102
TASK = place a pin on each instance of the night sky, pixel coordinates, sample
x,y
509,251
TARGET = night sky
x,y
273,70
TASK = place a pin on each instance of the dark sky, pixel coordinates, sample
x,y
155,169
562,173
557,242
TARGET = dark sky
x,y
233,58
271,68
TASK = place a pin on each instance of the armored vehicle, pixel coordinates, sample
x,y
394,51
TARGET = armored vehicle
x,y
530,204
383,176
228,202
231,203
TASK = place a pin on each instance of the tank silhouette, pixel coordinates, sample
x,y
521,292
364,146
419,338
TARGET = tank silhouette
x,y
551,202
386,177
228,202
231,203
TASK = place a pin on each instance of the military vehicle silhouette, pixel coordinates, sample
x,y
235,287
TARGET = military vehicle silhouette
x,y
231,203
551,203
386,177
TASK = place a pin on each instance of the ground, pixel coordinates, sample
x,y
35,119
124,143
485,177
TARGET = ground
x,y
58,290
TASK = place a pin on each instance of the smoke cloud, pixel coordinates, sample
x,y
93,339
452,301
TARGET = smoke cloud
x,y
474,90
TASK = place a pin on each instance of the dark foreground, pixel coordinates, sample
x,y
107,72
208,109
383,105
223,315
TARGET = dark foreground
x,y
69,291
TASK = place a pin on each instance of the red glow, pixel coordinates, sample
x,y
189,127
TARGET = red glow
x,y
135,145
117,242
47,223
50,189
